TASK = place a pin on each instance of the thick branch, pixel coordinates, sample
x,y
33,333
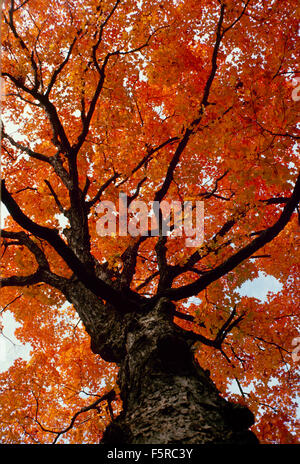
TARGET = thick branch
x,y
89,279
231,263
22,281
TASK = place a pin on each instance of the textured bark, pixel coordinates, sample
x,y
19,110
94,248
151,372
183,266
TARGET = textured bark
x,y
105,325
167,397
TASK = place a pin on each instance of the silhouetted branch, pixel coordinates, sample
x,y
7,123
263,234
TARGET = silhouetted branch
x,y
109,397
244,253
88,278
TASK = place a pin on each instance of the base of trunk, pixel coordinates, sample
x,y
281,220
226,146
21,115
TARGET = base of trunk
x,y
181,410
167,397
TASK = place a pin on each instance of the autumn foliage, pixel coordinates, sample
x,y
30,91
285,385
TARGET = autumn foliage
x,y
176,100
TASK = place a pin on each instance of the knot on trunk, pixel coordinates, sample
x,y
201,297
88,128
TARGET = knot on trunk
x,y
174,353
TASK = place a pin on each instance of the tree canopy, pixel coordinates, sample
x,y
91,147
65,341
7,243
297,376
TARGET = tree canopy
x,y
159,100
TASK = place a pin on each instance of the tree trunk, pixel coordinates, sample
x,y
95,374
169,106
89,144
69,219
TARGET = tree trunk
x,y
167,397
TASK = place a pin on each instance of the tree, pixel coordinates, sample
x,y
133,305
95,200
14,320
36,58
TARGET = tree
x,y
162,101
